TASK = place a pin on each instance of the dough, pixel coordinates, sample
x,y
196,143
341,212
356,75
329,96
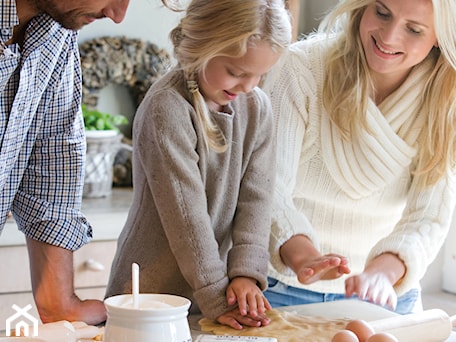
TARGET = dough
x,y
285,327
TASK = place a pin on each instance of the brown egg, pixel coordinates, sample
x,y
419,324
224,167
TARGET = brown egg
x,y
361,328
382,337
345,336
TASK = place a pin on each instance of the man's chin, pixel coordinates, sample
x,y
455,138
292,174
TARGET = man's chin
x,y
76,25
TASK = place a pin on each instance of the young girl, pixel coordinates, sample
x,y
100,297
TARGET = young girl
x,y
366,152
203,165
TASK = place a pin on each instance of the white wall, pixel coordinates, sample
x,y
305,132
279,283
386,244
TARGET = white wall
x,y
312,11
147,20
441,274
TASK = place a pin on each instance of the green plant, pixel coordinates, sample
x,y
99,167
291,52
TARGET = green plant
x,y
94,120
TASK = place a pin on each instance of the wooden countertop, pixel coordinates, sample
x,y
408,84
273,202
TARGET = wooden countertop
x,y
346,309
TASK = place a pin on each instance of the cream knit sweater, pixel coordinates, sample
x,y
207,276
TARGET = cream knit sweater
x,y
356,199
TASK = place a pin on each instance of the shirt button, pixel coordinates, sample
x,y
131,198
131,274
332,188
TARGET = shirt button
x,y
6,31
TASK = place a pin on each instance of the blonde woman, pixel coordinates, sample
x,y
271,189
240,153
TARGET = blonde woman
x,y
199,223
365,124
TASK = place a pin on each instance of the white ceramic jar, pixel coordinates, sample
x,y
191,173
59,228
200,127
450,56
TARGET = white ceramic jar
x,y
157,318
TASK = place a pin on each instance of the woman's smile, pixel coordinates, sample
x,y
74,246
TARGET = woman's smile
x,y
383,50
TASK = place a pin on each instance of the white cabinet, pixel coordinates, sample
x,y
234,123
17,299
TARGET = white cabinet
x,y
92,262
15,285
439,282
449,260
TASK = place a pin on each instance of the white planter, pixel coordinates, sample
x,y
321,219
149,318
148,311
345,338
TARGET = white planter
x,y
102,147
101,134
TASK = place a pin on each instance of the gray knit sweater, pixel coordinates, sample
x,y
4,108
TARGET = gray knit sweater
x,y
198,218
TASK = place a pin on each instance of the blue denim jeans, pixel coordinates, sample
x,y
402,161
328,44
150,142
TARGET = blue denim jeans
x,y
280,294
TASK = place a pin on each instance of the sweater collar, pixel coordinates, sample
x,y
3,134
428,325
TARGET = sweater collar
x,y
376,157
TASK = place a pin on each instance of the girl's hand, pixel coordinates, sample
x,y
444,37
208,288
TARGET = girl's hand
x,y
249,297
235,320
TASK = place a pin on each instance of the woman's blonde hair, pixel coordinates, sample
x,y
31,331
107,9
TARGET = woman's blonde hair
x,y
224,28
345,94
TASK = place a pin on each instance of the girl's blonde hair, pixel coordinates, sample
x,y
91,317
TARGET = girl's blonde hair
x,y
224,28
345,94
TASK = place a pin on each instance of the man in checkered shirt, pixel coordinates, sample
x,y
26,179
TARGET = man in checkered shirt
x,y
42,143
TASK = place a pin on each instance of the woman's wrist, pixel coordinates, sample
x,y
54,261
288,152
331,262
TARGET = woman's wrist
x,y
296,250
390,265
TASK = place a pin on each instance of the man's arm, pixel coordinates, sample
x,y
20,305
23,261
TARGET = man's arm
x,y
51,270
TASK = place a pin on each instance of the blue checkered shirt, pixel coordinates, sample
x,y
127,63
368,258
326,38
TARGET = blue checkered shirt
x,y
42,142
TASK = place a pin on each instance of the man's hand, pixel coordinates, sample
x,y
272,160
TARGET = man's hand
x,y
51,270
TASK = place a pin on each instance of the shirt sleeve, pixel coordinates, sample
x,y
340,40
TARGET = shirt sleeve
x,y
167,151
422,229
249,255
48,202
290,95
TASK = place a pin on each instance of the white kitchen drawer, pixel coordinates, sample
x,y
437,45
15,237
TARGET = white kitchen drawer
x,y
92,264
449,260
25,298
14,270
19,299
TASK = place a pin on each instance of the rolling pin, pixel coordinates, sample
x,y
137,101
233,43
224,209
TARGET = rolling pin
x,y
427,326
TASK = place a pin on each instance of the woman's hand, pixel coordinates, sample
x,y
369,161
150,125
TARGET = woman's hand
x,y
375,288
305,260
376,282
249,297
329,266
236,320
